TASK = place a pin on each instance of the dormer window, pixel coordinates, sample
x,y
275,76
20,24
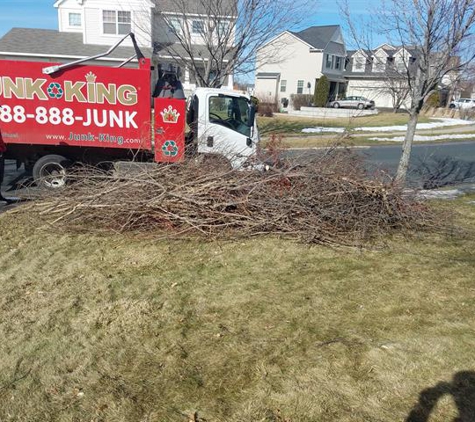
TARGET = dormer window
x,y
378,65
338,62
74,20
359,64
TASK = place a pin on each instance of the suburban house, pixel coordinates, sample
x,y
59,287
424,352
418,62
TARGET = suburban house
x,y
292,63
380,74
89,27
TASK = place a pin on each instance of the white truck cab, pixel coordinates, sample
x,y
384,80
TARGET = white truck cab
x,y
222,122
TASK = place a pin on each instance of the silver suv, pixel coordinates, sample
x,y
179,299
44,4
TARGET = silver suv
x,y
463,103
353,102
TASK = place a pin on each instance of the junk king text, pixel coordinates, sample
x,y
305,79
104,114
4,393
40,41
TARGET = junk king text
x,y
67,117
90,91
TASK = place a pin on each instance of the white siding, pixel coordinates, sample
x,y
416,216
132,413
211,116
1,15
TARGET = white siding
x,y
373,90
67,7
92,22
162,34
292,58
359,62
379,61
141,17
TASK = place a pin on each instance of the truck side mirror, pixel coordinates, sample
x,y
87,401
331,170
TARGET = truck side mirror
x,y
252,115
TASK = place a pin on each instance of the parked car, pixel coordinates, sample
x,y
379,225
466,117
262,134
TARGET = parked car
x,y
353,102
463,103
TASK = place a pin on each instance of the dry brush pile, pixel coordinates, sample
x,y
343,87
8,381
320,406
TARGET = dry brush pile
x,y
327,200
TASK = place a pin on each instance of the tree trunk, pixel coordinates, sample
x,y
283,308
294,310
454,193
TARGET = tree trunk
x,y
406,149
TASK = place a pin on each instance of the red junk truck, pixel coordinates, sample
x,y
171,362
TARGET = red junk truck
x,y
52,116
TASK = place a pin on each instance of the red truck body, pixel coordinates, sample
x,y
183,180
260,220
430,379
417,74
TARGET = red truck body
x,y
100,110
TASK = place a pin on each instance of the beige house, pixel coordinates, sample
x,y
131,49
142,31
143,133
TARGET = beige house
x,y
292,63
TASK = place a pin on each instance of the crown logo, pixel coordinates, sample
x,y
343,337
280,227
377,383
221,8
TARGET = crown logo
x,y
91,78
170,115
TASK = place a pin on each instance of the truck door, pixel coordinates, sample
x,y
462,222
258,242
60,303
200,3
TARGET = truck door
x,y
226,127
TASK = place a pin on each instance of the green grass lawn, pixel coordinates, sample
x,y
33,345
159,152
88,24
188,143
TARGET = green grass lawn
x,y
291,125
289,130
119,328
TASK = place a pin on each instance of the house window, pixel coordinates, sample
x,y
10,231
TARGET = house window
x,y
359,64
283,85
197,27
174,26
338,63
401,65
116,22
75,19
378,64
299,87
223,27
328,63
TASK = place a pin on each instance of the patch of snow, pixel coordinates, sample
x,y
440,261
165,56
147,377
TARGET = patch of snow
x,y
437,123
320,129
424,138
440,194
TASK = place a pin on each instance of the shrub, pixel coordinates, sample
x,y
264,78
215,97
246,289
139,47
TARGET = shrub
x,y
433,100
322,89
267,109
301,100
266,105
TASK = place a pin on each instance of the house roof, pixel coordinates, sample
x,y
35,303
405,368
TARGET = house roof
x,y
317,36
52,43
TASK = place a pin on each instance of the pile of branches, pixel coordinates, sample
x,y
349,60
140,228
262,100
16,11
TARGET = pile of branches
x,y
328,199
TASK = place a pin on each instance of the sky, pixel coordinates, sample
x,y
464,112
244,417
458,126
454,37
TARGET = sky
x,y
27,14
42,14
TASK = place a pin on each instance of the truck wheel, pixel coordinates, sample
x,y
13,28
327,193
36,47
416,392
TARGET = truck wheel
x,y
50,171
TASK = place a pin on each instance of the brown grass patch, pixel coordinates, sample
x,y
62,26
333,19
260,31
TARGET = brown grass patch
x,y
114,328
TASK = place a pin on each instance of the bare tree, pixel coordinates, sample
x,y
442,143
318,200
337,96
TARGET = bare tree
x,y
436,31
398,90
217,38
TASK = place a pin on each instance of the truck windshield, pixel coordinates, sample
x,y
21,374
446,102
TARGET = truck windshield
x,y
231,112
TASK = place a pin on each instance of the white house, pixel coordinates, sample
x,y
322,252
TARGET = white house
x,y
379,74
292,63
89,27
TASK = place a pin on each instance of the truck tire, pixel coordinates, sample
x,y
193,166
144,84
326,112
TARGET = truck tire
x,y
50,171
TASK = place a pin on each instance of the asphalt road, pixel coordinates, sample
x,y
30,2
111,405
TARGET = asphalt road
x,y
450,163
